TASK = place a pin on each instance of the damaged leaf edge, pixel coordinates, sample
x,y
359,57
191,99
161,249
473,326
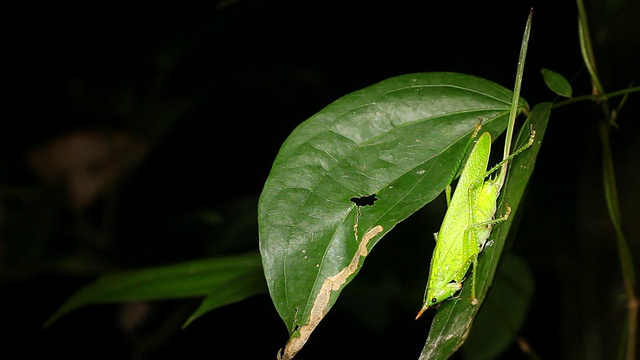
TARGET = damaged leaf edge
x,y
331,284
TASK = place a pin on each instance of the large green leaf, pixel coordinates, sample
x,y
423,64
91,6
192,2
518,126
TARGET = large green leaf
x,y
400,139
453,318
221,280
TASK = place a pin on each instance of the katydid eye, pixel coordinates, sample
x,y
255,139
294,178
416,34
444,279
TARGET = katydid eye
x,y
434,300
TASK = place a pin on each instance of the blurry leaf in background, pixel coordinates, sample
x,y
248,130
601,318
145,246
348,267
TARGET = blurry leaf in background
x,y
221,280
504,312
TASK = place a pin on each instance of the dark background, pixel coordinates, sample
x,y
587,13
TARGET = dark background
x,y
193,102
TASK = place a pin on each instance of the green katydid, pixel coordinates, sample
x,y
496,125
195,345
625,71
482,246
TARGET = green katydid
x,y
467,224
470,214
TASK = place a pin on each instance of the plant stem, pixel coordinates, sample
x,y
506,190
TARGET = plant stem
x,y
610,189
596,98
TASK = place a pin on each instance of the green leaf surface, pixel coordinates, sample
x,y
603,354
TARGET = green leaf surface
x,y
400,139
503,314
453,319
222,280
557,83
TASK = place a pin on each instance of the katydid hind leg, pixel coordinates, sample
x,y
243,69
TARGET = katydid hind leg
x,y
474,299
504,217
472,241
524,147
487,226
470,237
474,257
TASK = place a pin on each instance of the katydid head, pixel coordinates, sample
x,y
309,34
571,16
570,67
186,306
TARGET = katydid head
x,y
440,294
437,295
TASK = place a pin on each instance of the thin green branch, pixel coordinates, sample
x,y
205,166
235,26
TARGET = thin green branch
x,y
596,98
587,49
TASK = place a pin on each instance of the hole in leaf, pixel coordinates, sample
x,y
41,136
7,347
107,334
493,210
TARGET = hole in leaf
x,y
364,200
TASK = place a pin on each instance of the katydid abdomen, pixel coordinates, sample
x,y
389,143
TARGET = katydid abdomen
x,y
485,210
